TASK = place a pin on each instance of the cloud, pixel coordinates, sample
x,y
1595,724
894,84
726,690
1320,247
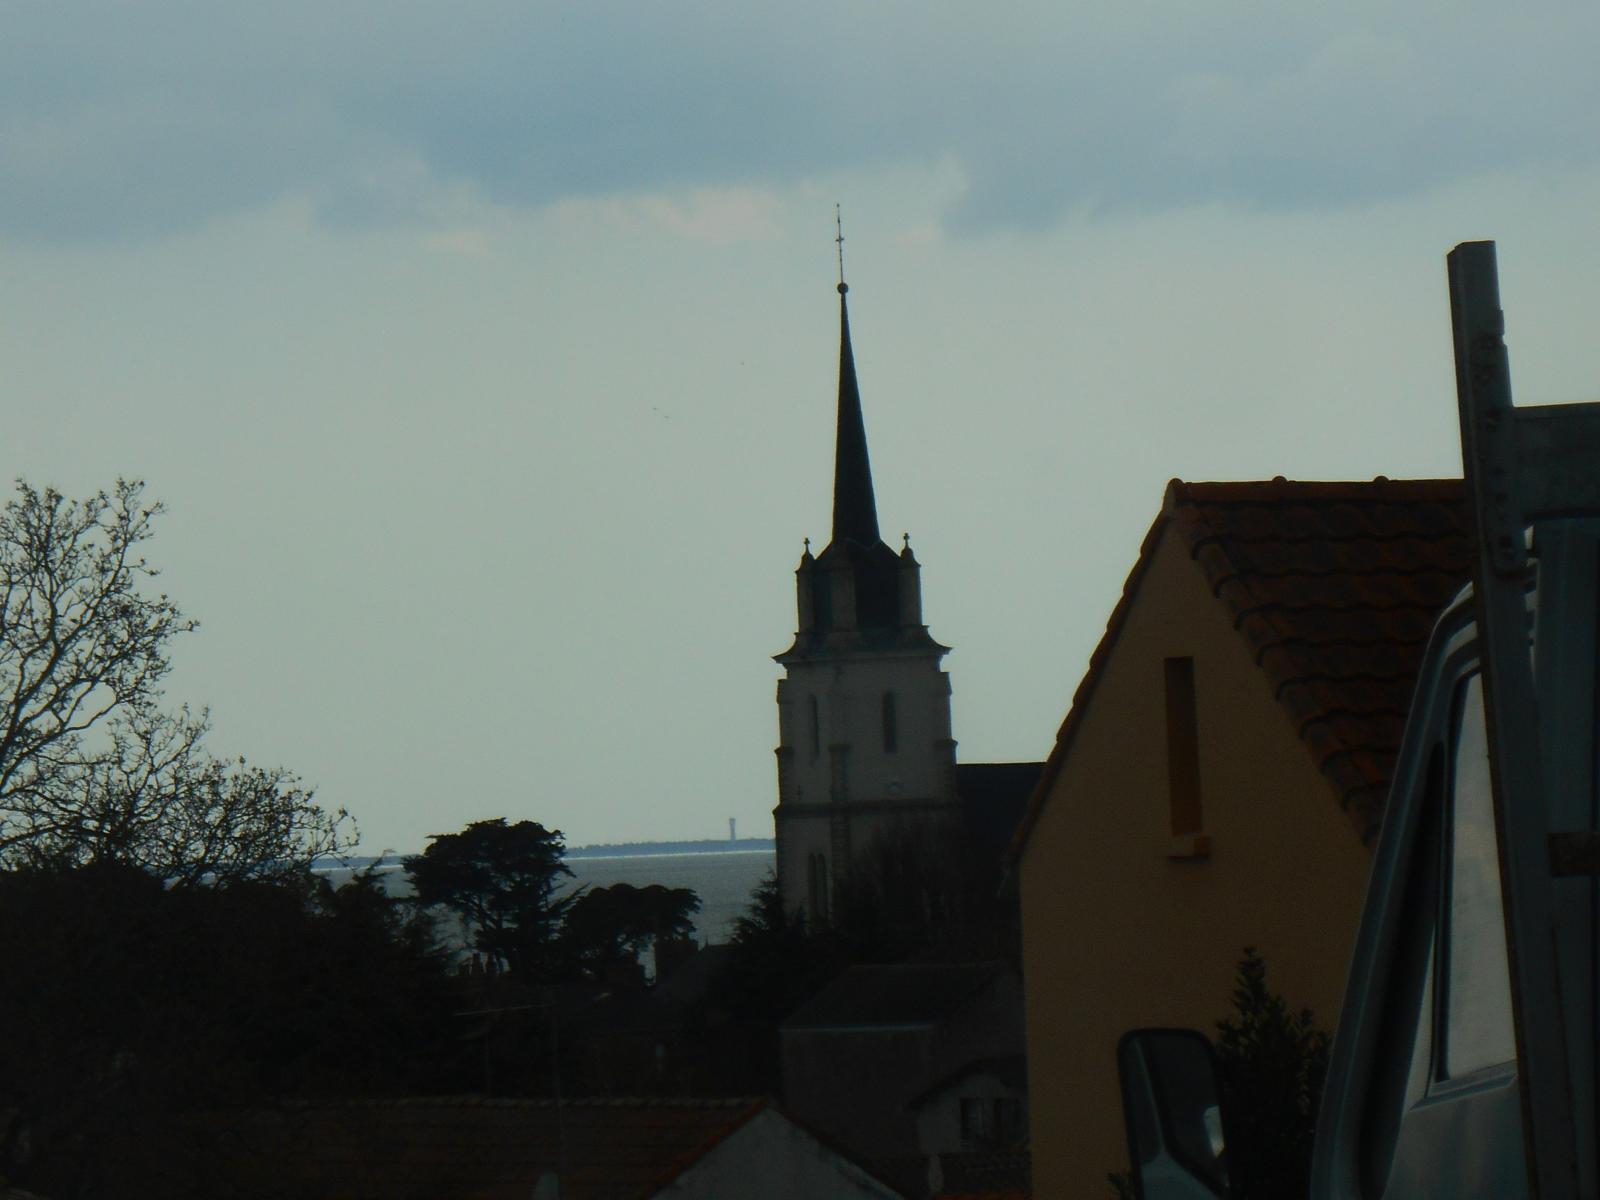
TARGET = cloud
x,y
138,120
460,243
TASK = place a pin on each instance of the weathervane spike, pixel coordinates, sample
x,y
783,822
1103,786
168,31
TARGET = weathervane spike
x,y
838,239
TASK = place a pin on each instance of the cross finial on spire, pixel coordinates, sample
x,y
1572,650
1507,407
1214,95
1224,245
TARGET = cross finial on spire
x,y
838,239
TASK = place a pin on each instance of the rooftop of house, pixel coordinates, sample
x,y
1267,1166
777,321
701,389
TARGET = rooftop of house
x,y
993,798
1011,1070
1335,588
474,1147
900,994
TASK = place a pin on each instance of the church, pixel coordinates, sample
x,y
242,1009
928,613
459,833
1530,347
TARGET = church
x,y
864,737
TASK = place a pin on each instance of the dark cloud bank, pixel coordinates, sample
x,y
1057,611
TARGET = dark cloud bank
x,y
128,121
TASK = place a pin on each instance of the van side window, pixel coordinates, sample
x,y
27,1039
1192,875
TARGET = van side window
x,y
1477,1023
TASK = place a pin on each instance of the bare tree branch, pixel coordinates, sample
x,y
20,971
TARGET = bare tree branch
x,y
90,769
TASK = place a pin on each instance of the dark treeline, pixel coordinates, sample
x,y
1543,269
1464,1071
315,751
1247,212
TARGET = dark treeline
x,y
129,1003
132,1003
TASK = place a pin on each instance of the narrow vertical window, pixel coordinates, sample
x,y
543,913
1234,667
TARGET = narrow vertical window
x,y
817,888
1183,748
890,733
816,728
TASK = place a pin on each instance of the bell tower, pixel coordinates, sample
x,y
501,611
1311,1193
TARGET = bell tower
x,y
864,706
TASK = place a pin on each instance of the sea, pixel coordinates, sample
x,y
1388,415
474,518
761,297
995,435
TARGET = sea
x,y
723,879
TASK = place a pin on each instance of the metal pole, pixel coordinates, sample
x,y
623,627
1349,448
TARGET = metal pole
x,y
1489,461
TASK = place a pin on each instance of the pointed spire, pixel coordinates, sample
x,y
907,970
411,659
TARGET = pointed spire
x,y
855,513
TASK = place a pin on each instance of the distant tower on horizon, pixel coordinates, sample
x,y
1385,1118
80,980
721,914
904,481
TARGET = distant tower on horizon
x,y
864,738
733,826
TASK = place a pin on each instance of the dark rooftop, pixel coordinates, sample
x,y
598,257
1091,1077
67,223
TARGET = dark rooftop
x,y
993,798
899,994
473,1148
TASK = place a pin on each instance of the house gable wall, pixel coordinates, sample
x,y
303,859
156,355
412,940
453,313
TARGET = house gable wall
x,y
938,1114
1118,934
772,1158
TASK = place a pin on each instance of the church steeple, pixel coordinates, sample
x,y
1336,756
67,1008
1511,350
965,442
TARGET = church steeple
x,y
863,706
856,595
855,512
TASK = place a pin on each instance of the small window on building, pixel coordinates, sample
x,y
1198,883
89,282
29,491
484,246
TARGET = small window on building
x,y
817,888
1007,1128
816,728
1183,748
890,733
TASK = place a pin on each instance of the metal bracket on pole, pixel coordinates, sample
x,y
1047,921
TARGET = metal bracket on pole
x,y
1520,466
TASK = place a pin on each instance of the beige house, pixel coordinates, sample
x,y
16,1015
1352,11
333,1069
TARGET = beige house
x,y
1220,778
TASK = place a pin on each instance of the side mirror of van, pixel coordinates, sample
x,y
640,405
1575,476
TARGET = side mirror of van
x,y
1173,1107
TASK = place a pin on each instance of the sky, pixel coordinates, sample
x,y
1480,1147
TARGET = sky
x,y
484,354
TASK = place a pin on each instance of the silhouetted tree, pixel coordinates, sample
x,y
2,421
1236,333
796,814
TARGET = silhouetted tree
x,y
925,891
90,769
155,799
610,925
1273,1062
776,963
500,879
130,1005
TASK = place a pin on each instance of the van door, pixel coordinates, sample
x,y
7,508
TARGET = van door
x,y
1460,1125
1421,1097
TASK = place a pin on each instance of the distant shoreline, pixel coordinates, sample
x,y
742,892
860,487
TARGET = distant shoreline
x,y
698,846
392,861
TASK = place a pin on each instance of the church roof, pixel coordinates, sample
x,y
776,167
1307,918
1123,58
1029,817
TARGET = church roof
x,y
1335,587
855,511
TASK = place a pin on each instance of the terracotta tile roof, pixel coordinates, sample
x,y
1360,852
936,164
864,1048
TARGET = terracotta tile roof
x,y
1335,587
472,1147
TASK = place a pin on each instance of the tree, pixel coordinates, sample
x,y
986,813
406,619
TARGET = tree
x,y
80,639
157,800
1273,1062
926,891
501,880
144,1005
91,769
610,925
776,963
